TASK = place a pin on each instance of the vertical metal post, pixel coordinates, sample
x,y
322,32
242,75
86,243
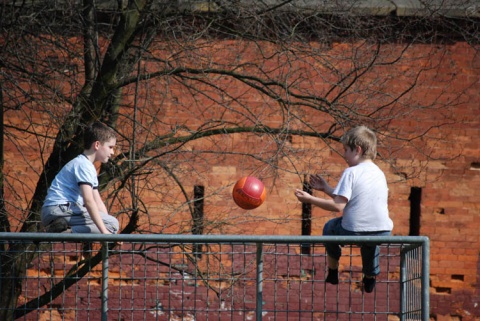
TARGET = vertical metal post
x,y
259,303
426,280
105,281
403,284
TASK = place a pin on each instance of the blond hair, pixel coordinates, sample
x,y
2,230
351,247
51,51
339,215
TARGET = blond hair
x,y
364,137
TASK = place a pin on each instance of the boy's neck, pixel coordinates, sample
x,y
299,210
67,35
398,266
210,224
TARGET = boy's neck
x,y
363,160
89,154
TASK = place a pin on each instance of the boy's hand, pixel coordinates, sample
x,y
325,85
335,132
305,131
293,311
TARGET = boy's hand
x,y
116,243
317,182
302,196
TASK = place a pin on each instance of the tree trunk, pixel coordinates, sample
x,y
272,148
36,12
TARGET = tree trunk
x,y
13,265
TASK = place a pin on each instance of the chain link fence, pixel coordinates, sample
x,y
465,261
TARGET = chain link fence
x,y
210,277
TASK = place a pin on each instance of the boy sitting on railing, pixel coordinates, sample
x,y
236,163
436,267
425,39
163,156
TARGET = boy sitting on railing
x,y
73,203
362,195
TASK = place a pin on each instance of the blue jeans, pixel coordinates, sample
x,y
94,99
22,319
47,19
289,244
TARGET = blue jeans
x,y
370,253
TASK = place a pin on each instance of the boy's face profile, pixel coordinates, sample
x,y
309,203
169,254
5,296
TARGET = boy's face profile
x,y
352,155
104,151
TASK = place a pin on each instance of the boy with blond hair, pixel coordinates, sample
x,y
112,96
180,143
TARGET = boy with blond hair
x,y
362,196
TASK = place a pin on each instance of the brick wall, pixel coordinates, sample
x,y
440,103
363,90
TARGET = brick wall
x,y
449,181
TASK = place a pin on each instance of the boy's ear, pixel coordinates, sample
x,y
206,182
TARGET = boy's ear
x,y
96,145
359,150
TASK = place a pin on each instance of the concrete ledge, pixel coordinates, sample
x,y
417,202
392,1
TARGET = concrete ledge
x,y
447,8
401,8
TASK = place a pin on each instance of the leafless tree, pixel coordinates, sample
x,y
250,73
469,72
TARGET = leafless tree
x,y
185,83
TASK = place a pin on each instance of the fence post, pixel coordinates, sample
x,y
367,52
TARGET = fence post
x,y
259,303
105,281
403,285
426,279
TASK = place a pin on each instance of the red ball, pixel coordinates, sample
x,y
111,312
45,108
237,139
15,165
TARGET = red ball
x,y
249,192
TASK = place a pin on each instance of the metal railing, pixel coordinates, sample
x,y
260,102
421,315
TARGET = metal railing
x,y
209,277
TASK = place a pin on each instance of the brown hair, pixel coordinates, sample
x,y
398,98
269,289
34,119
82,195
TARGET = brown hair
x,y
97,132
363,137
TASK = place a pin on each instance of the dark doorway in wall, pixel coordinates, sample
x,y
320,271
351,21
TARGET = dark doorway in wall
x,y
198,224
306,216
415,210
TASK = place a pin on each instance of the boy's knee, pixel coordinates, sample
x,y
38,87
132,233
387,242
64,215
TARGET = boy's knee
x,y
325,229
330,227
113,225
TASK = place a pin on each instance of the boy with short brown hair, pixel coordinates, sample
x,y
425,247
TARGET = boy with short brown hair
x,y
73,203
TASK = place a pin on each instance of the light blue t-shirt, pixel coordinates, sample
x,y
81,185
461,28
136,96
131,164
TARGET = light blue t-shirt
x,y
66,185
365,188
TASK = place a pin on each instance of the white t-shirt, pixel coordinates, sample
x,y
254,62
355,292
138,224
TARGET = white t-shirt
x,y
66,185
365,188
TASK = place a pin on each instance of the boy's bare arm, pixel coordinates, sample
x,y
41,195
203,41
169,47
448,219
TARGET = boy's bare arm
x,y
100,204
337,204
92,207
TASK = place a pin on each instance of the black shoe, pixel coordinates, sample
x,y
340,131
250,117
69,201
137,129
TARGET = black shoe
x,y
369,284
332,276
58,225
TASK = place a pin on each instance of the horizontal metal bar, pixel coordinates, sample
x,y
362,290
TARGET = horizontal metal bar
x,y
186,238
412,246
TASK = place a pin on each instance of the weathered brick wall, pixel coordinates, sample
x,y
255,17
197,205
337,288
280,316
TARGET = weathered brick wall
x,y
450,182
